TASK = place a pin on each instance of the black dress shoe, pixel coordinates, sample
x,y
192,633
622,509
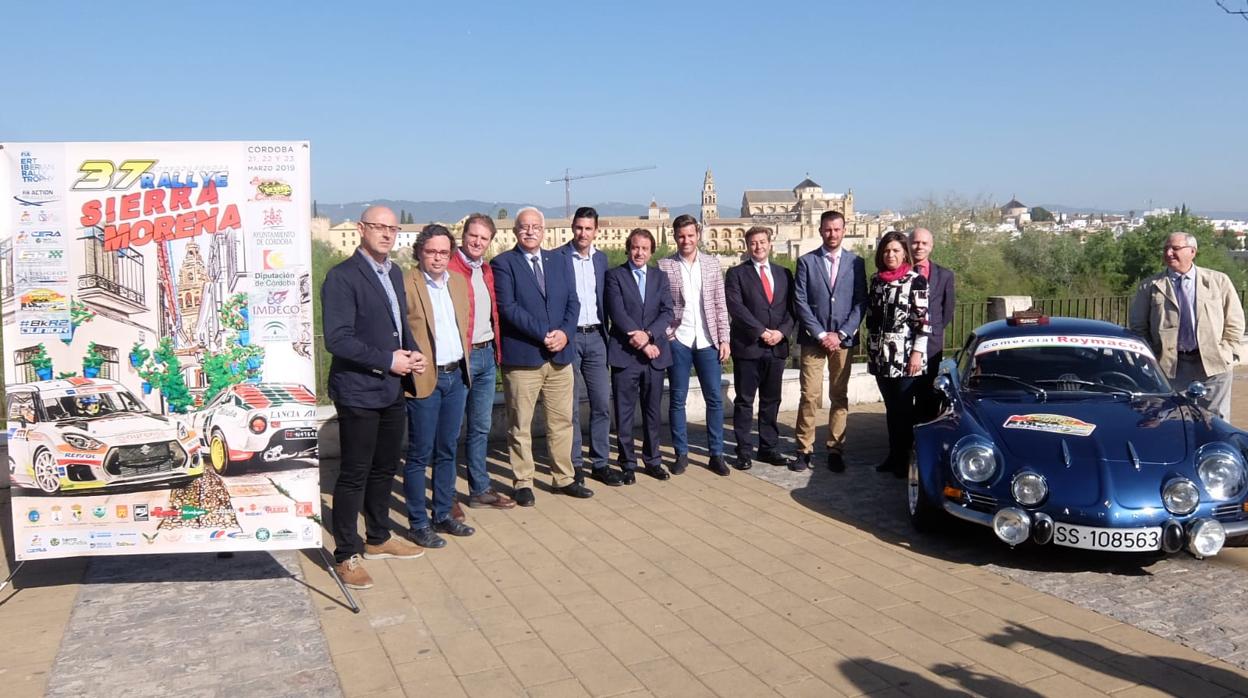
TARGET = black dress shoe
x,y
576,490
524,497
803,459
628,477
836,463
682,463
426,538
657,472
607,476
774,458
454,528
743,463
799,464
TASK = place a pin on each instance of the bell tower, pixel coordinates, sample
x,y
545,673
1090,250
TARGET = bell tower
x,y
710,205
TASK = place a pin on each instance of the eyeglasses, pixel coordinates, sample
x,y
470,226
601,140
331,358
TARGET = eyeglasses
x,y
1175,248
436,253
381,226
534,228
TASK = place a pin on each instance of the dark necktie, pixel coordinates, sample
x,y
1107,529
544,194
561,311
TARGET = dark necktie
x,y
537,271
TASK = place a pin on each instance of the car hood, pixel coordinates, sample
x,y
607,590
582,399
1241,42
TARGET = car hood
x,y
124,428
1094,451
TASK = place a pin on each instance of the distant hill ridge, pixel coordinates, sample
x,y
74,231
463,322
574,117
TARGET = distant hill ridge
x,y
450,211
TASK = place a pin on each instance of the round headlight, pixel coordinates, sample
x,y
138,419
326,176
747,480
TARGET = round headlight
x,y
974,459
1011,525
1206,538
1221,470
1029,488
1180,496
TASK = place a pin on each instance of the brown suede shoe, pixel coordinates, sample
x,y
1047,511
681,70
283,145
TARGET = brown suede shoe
x,y
457,512
353,574
491,499
395,548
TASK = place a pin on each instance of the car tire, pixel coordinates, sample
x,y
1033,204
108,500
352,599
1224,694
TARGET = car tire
x,y
925,516
44,467
219,454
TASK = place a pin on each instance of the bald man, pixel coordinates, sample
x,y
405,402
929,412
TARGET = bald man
x,y
940,306
363,307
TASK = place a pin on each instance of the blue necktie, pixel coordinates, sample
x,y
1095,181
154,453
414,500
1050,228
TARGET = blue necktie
x,y
537,271
1187,328
641,283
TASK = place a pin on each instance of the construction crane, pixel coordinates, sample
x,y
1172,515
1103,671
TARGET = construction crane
x,y
568,177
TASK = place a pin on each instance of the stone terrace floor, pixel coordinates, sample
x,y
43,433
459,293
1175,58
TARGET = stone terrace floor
x,y
761,583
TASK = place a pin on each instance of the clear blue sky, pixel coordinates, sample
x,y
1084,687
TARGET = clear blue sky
x,y
1098,104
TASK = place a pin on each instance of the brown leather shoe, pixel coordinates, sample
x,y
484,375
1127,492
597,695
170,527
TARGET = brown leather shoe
x,y
491,499
394,548
457,512
353,574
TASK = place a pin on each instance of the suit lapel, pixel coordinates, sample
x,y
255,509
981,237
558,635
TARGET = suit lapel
x,y
1167,289
370,276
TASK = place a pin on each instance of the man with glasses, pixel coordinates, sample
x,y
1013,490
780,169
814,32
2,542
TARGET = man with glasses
x,y
437,312
538,311
362,306
469,262
1192,318
589,267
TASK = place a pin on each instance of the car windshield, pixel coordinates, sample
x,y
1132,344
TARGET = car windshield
x,y
1064,363
89,406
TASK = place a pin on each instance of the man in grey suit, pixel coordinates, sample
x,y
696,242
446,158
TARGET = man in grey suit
x,y
831,291
940,305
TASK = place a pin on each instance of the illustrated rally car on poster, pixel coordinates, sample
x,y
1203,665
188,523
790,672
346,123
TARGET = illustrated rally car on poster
x,y
85,434
1065,432
257,423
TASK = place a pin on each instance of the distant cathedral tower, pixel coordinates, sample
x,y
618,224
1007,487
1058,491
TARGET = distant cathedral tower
x,y
192,275
710,205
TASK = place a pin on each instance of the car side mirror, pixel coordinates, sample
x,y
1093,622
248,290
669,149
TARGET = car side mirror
x,y
1196,390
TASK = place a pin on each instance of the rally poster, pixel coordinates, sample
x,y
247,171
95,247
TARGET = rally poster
x,y
158,369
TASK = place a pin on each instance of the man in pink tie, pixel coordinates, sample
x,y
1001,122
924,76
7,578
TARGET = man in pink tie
x,y
830,291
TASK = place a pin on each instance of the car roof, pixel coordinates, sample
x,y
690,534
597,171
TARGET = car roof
x,y
998,329
68,386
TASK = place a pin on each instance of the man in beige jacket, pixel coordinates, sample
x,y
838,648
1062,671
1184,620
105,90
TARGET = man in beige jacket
x,y
1193,320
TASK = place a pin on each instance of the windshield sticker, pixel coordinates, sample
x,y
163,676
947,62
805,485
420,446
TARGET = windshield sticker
x,y
1064,340
1052,423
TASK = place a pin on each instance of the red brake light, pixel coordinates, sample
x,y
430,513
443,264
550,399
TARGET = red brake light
x,y
258,424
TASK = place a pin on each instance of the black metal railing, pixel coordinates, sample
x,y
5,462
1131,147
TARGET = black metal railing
x,y
94,281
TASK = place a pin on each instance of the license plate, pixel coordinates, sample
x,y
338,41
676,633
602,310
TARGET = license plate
x,y
1116,539
306,433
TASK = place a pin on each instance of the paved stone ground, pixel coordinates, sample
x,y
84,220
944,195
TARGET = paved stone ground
x,y
193,625
1201,603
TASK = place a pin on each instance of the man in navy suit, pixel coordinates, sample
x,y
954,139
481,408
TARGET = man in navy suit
x,y
639,305
940,306
831,292
589,266
760,303
363,307
538,311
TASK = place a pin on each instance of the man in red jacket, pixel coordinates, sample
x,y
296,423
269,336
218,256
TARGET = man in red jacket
x,y
469,262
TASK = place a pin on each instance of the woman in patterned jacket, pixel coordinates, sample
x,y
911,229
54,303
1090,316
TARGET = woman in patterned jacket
x,y
898,329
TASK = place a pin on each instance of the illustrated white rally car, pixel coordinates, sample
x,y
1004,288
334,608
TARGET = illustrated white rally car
x,y
90,433
258,423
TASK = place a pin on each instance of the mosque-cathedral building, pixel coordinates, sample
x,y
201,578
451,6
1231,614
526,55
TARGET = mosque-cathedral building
x,y
792,214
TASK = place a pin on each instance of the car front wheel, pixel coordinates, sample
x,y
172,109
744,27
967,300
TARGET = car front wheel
x,y
219,453
925,516
46,476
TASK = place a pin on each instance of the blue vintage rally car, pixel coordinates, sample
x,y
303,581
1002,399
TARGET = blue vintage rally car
x,y
1065,432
